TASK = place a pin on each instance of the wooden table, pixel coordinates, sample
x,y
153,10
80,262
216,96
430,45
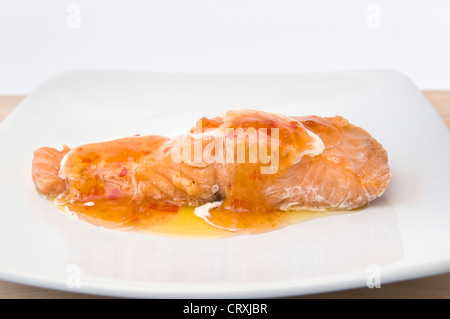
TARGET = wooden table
x,y
429,287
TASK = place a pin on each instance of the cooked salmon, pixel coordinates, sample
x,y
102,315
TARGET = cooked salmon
x,y
45,170
289,163
351,171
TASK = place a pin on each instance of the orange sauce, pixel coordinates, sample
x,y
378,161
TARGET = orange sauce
x,y
126,215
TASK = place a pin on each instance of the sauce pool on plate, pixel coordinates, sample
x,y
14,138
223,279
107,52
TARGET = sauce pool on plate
x,y
143,216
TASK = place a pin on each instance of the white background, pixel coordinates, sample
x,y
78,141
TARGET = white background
x,y
41,38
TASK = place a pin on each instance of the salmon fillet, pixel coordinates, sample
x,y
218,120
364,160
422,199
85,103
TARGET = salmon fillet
x,y
352,170
321,163
45,169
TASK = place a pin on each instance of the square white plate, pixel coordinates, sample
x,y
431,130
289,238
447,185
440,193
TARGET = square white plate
x,y
404,234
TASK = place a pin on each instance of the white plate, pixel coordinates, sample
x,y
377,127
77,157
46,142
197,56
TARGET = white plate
x,y
403,235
